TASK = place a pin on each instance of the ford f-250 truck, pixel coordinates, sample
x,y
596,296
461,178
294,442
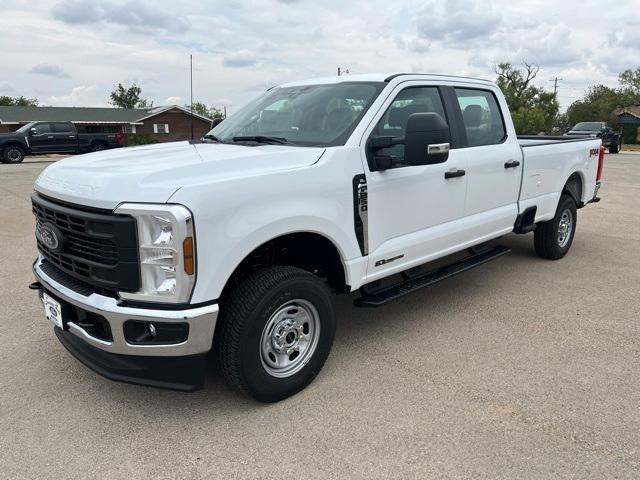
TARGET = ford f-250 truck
x,y
150,257
52,137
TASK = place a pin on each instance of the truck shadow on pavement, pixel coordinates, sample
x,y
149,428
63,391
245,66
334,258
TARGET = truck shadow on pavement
x,y
357,340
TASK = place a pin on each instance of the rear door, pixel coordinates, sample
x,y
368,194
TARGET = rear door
x,y
494,164
413,213
64,137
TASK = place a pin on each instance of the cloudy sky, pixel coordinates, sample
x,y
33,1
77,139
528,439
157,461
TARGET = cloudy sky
x,y
71,53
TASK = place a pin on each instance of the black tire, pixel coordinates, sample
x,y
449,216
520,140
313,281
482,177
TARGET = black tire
x,y
98,146
548,240
614,148
12,154
254,305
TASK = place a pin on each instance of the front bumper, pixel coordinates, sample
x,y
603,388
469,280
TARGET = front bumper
x,y
120,359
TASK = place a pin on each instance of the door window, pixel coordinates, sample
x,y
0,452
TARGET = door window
x,y
394,121
61,127
43,128
481,115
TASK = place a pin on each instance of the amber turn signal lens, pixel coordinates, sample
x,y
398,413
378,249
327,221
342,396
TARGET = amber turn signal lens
x,y
187,249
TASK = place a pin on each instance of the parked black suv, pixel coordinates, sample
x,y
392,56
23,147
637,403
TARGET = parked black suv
x,y
52,137
610,138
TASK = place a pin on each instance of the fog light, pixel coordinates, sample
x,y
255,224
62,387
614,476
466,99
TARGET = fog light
x,y
137,332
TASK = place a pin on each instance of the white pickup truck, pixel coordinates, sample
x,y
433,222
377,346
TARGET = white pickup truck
x,y
151,257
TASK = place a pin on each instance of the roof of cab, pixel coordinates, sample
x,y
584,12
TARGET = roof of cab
x,y
382,77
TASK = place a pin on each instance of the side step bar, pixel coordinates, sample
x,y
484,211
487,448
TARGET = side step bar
x,y
393,292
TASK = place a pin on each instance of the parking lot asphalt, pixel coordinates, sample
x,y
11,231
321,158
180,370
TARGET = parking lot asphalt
x,y
521,368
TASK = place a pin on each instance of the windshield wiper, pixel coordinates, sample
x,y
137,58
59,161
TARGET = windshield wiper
x,y
261,139
209,136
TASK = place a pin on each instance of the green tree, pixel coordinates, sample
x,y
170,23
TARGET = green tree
x,y
129,97
597,105
533,110
629,81
209,112
18,101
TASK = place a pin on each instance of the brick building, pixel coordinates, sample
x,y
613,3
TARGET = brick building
x,y
162,124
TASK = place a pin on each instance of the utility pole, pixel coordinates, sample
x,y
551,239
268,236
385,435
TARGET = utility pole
x,y
191,103
555,85
343,71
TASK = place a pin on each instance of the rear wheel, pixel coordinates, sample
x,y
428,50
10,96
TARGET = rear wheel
x,y
12,154
553,239
275,332
98,146
615,148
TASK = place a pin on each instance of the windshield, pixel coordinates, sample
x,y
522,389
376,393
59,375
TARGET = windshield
x,y
25,128
318,115
588,126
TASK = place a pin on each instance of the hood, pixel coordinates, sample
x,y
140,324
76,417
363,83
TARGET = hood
x,y
153,173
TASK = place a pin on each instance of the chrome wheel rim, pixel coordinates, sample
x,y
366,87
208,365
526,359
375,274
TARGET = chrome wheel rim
x,y
13,154
289,338
564,228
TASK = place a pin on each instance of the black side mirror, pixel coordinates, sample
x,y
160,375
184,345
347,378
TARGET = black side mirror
x,y
32,131
427,139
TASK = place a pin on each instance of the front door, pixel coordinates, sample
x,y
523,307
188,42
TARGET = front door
x,y
414,213
42,140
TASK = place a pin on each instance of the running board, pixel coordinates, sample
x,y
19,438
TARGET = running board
x,y
393,292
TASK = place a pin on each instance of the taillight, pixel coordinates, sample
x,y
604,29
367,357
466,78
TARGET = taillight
x,y
118,137
600,163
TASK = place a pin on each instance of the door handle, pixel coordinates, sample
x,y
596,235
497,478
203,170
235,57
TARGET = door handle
x,y
454,174
72,136
50,136
512,164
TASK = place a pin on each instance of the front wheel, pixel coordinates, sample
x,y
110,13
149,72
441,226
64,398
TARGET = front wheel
x,y
615,148
13,154
553,239
275,332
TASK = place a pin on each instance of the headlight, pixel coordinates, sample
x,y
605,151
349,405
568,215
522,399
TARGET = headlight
x,y
167,252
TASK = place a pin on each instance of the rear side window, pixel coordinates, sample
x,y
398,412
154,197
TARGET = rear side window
x,y
481,116
61,127
394,121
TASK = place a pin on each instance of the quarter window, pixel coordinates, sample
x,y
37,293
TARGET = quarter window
x,y
481,116
394,121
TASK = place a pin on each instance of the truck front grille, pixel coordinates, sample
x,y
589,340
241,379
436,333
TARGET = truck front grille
x,y
97,247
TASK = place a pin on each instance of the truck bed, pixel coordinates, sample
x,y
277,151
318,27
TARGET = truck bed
x,y
548,161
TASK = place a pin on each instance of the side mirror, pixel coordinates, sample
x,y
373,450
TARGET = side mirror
x,y
32,131
427,139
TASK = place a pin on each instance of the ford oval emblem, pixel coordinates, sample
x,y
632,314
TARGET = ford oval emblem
x,y
50,236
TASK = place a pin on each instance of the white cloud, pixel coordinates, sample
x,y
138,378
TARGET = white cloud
x,y
173,101
243,47
78,97
50,70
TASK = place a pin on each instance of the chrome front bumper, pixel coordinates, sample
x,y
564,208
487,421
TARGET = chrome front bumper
x,y
201,321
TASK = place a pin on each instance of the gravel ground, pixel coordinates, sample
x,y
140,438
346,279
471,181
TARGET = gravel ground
x,y
521,368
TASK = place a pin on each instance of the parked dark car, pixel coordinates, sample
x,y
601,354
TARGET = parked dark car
x,y
52,137
611,138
